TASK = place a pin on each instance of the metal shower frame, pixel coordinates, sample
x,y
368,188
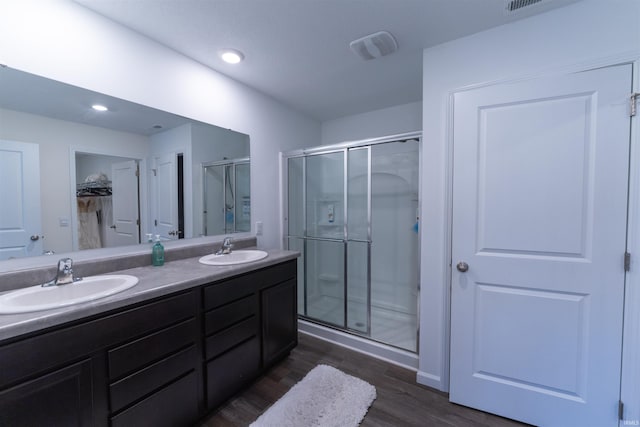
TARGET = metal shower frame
x,y
343,148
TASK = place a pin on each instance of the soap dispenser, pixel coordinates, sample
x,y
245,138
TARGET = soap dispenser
x,y
157,253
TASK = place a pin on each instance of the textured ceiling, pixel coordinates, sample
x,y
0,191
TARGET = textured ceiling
x,y
297,51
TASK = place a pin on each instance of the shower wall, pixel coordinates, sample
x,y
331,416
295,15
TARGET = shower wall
x,y
394,211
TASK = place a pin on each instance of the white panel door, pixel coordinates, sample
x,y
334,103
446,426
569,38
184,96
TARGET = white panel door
x,y
167,196
539,216
20,223
126,212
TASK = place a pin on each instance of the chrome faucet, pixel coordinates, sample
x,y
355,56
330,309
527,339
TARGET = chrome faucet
x,y
64,274
225,249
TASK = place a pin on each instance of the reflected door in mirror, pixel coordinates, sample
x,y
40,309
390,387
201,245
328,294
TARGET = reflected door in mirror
x,y
20,226
126,217
169,206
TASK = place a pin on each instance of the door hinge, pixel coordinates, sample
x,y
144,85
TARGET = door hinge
x,y
138,222
138,171
155,172
155,222
633,100
627,261
620,410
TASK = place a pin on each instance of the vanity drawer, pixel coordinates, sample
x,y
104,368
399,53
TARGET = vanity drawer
x,y
153,377
225,316
222,341
143,351
227,291
277,274
174,405
232,371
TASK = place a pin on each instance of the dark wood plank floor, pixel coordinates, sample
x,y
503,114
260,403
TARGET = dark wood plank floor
x,y
400,400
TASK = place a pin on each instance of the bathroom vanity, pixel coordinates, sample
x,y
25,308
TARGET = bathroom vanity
x,y
165,353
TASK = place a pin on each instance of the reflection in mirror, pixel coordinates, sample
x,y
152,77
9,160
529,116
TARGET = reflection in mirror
x,y
73,178
227,204
106,185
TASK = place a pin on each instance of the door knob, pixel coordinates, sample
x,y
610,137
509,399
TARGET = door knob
x,y
462,267
112,226
35,238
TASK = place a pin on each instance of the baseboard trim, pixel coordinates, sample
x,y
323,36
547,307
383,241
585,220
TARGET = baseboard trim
x,y
430,380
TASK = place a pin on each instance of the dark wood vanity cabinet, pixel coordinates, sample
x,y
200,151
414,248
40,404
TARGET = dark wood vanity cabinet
x,y
250,322
105,370
164,362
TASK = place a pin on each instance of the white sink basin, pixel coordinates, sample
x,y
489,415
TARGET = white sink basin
x,y
36,298
235,257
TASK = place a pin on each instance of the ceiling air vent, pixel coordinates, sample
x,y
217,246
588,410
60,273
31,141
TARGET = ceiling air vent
x,y
513,5
374,45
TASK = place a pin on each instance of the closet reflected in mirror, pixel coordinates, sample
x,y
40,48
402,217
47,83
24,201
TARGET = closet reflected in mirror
x,y
108,201
74,178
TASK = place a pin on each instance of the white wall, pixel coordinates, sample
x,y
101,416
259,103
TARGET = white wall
x,y
90,164
63,41
587,34
56,138
373,124
211,144
177,139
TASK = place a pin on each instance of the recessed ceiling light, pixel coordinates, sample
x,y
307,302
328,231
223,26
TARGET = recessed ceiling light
x,y
99,107
231,56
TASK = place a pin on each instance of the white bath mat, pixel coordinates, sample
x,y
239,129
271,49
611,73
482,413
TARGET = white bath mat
x,y
325,397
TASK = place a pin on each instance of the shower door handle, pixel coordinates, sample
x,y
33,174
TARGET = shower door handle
x,y
462,267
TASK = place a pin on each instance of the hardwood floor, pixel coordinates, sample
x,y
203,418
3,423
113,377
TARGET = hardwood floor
x,y
400,400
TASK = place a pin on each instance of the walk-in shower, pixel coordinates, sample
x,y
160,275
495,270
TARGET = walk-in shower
x,y
226,197
352,211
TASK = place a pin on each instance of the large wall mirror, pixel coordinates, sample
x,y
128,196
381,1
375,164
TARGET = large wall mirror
x,y
75,178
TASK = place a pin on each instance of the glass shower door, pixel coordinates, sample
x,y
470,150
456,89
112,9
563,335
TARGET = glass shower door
x,y
358,240
295,222
213,211
242,200
394,248
352,214
324,237
226,197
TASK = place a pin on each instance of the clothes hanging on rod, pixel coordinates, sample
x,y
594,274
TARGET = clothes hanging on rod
x,y
94,188
88,223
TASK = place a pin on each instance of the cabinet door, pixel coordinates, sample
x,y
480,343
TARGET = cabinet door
x,y
279,321
230,372
61,398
